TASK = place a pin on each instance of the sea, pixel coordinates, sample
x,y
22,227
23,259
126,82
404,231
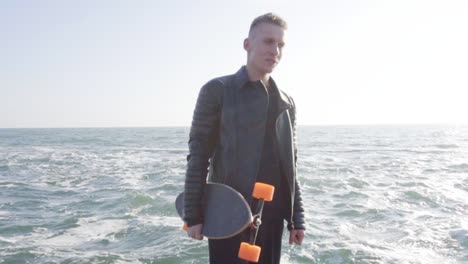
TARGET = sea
x,y
372,194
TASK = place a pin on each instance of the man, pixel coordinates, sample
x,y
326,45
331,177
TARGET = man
x,y
244,130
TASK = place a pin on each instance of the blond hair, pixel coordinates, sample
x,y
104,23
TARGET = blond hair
x,y
269,18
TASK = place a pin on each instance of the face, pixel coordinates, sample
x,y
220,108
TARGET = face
x,y
264,47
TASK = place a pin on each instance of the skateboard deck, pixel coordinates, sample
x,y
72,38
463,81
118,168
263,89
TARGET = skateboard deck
x,y
225,211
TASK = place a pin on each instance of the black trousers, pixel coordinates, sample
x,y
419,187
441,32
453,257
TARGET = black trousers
x,y
224,251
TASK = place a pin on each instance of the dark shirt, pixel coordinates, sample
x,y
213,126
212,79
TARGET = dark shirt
x,y
269,170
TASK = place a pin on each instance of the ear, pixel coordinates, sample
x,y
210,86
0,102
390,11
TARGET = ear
x,y
246,44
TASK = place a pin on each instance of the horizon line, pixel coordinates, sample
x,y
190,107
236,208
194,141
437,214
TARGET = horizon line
x,y
188,126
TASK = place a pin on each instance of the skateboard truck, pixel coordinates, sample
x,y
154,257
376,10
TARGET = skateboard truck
x,y
249,251
256,222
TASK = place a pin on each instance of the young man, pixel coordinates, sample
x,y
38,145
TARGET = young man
x,y
244,130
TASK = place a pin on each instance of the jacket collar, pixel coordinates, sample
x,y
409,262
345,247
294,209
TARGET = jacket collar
x,y
283,100
241,78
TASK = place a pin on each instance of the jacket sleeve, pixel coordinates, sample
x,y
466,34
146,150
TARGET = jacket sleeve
x,y
298,211
202,141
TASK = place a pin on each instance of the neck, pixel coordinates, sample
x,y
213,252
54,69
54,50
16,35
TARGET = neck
x,y
256,76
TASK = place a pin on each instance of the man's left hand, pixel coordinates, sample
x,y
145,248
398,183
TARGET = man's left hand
x,y
296,236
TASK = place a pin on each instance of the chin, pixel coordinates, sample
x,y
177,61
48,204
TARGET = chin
x,y
266,69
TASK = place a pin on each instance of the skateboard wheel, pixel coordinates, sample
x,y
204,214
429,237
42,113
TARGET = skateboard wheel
x,y
185,227
249,252
263,191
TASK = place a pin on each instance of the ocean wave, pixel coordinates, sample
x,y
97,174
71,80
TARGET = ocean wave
x,y
4,168
88,229
379,150
352,195
461,236
445,146
415,197
357,183
462,167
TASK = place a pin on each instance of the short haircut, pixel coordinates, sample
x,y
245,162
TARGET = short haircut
x,y
269,18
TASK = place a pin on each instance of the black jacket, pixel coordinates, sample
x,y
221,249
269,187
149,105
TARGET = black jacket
x,y
227,135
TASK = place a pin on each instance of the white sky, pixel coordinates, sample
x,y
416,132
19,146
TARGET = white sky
x,y
142,63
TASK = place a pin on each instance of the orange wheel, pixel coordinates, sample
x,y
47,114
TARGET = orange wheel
x,y
263,191
249,252
185,227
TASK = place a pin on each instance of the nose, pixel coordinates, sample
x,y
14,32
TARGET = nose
x,y
276,50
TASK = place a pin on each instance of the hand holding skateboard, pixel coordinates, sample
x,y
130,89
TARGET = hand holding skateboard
x,y
195,231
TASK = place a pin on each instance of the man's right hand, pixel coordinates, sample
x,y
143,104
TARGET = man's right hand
x,y
195,232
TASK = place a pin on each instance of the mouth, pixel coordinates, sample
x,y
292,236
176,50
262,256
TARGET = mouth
x,y
272,61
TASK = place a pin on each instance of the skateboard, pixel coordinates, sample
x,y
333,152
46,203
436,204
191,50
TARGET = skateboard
x,y
226,213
